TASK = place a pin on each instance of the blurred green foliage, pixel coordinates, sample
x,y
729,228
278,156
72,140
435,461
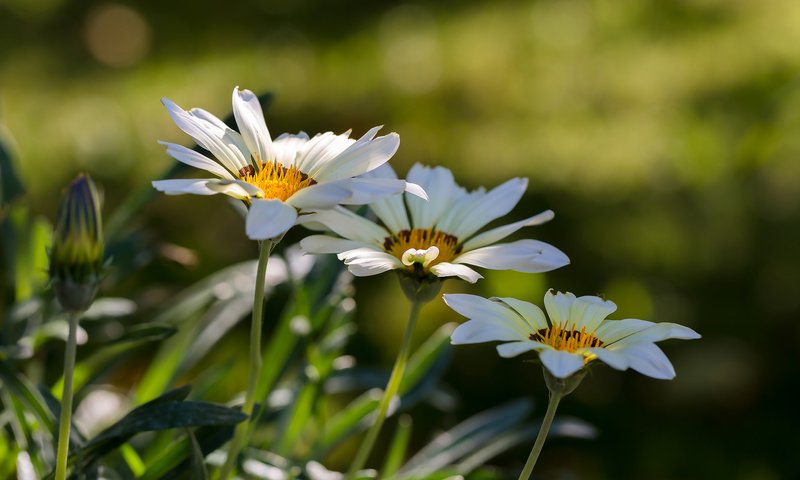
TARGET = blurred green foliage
x,y
664,134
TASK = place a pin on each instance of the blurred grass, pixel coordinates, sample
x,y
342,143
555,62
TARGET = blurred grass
x,y
663,134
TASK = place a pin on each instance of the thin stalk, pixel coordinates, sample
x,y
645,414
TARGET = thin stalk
x,y
66,399
391,390
542,436
242,430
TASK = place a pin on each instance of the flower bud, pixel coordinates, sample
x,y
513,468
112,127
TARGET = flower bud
x,y
76,255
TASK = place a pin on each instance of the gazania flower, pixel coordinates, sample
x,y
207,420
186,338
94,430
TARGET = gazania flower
x,y
434,238
576,334
280,178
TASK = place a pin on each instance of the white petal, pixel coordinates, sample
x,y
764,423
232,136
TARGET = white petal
x,y
612,331
560,363
463,272
250,119
557,306
648,359
531,313
657,332
210,133
499,233
235,188
328,244
196,160
484,310
513,349
466,218
268,219
613,359
362,156
320,150
363,262
349,225
368,190
589,311
286,147
530,256
390,210
320,196
181,186
480,331
442,191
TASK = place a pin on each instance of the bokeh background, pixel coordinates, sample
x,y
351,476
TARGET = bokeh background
x,y
664,134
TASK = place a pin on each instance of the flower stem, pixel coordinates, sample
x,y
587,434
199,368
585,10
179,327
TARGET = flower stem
x,y
242,429
540,438
391,390
66,399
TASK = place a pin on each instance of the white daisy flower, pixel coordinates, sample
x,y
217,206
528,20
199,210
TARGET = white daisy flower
x,y
576,334
279,178
436,238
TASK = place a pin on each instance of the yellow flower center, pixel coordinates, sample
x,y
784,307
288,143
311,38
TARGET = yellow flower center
x,y
423,239
568,339
275,180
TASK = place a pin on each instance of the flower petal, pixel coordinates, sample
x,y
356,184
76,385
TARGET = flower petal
x,y
363,262
442,192
560,363
657,332
286,147
235,188
612,331
196,160
320,196
486,311
390,210
513,349
268,219
480,331
530,256
648,359
362,156
589,311
347,224
532,314
466,218
181,186
557,306
463,272
253,128
328,244
499,233
611,358
368,190
211,133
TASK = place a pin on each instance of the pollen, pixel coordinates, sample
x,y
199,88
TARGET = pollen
x,y
423,239
275,180
567,339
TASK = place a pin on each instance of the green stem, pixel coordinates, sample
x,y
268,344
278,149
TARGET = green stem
x,y
66,399
391,390
540,438
242,429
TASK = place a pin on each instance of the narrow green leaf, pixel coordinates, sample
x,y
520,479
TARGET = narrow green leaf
x,y
398,448
11,186
347,420
197,464
20,387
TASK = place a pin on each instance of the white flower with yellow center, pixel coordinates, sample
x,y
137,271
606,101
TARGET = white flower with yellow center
x,y
576,334
434,238
279,178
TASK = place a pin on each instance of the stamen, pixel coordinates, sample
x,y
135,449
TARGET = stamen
x,y
275,180
567,339
423,239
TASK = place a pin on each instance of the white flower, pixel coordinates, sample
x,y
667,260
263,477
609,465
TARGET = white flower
x,y
279,178
576,334
434,238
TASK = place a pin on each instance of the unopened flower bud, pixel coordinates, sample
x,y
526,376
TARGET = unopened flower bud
x,y
76,256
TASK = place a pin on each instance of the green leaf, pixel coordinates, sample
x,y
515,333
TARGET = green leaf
x,y
30,397
465,438
398,448
160,414
197,464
